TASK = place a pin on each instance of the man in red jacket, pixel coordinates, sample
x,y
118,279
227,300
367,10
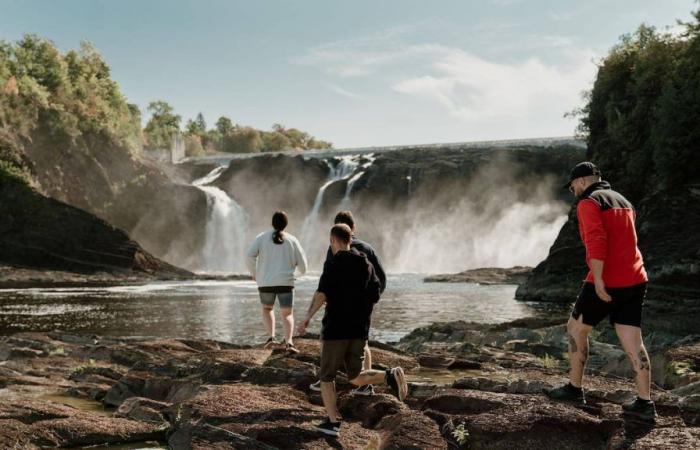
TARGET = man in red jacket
x,y
615,286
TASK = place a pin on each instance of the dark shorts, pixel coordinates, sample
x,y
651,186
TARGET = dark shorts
x,y
336,354
625,307
286,298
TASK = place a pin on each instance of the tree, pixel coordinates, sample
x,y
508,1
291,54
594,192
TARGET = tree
x,y
274,141
242,140
162,125
193,145
642,116
224,125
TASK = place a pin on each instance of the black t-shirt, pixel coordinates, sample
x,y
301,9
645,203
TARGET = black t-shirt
x,y
346,280
368,250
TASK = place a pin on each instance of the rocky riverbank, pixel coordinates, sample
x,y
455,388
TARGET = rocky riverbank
x,y
472,386
486,275
25,278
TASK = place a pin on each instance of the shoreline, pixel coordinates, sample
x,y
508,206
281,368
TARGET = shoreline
x,y
65,389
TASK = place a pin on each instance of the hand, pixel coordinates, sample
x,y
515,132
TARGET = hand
x,y
601,292
301,327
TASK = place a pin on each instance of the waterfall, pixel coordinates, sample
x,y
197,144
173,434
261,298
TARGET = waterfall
x,y
346,202
343,170
225,230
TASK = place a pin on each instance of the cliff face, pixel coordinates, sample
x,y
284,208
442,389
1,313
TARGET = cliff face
x,y
642,118
43,233
411,203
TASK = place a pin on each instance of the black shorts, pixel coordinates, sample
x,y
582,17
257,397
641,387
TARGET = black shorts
x,y
625,307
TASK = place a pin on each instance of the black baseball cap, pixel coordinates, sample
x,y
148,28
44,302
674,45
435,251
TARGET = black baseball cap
x,y
582,169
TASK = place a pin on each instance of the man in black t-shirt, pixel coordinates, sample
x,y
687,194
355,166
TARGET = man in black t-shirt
x,y
349,288
348,219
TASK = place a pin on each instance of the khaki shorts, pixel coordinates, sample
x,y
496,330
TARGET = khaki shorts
x,y
335,354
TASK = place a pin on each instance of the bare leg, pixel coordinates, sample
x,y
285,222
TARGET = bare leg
x,y
329,399
367,365
578,348
269,320
287,323
369,377
631,341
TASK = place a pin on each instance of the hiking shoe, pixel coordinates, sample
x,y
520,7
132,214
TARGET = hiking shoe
x,y
567,393
367,390
642,409
316,387
270,342
397,382
328,427
290,348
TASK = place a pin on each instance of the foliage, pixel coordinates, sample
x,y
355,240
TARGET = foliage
x,y
461,434
642,117
66,100
275,142
162,126
548,361
193,145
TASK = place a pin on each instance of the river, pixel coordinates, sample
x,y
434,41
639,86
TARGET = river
x,y
230,311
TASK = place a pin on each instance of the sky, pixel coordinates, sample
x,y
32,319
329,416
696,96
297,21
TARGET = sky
x,y
360,73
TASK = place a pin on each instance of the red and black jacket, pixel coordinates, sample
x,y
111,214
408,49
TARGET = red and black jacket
x,y
606,224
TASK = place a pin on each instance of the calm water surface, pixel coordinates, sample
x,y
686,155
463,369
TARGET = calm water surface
x,y
230,310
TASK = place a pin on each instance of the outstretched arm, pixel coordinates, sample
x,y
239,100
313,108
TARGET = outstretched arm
x,y
318,301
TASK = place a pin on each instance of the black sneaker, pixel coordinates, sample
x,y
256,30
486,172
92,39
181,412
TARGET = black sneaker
x,y
328,427
316,387
567,393
641,409
396,380
367,390
270,342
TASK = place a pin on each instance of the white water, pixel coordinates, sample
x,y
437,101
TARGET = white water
x,y
341,171
346,203
225,230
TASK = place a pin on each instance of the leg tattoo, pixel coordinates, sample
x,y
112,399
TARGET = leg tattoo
x,y
572,344
584,353
643,360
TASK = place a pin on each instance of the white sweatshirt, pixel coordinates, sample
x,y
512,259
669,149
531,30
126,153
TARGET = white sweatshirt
x,y
273,264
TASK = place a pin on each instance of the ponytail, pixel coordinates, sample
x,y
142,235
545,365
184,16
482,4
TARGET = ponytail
x,y
279,223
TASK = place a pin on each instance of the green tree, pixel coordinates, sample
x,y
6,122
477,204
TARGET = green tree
x,y
162,124
224,125
242,140
274,141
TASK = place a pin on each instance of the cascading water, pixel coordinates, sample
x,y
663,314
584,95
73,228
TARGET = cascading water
x,y
225,230
346,202
343,170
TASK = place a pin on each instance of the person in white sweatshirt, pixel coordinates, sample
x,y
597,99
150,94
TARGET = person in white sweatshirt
x,y
271,260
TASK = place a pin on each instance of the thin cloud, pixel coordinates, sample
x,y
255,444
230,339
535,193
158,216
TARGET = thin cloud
x,y
342,91
473,88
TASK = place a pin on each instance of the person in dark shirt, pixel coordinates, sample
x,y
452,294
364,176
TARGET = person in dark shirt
x,y
349,288
347,218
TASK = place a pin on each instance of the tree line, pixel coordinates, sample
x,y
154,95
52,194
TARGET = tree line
x,y
225,136
67,102
642,116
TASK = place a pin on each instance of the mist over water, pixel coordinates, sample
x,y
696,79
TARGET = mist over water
x,y
465,238
490,218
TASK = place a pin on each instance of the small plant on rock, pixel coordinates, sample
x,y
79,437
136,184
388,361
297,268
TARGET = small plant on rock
x,y
461,434
548,361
